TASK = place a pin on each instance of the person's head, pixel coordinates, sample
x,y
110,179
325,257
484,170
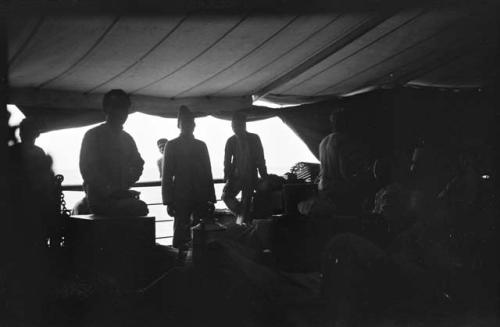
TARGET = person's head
x,y
116,105
29,130
161,144
338,120
185,120
239,123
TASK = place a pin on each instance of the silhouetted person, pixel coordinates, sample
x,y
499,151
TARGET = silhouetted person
x,y
29,131
110,163
161,147
392,200
32,195
243,159
344,166
32,173
187,183
34,167
416,268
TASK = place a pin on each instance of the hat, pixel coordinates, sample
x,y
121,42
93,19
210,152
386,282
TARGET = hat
x,y
184,114
161,141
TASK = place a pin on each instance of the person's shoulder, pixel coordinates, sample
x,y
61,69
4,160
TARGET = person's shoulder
x,y
126,135
38,150
200,143
253,136
173,143
327,138
97,130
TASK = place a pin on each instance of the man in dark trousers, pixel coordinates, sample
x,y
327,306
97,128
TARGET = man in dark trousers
x,y
244,157
187,183
110,162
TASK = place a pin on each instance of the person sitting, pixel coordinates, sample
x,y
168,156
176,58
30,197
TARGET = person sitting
x,y
187,184
344,167
32,174
161,147
243,158
110,162
33,224
29,131
344,174
426,263
392,200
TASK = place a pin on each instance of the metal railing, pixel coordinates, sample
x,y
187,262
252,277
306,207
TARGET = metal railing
x,y
79,188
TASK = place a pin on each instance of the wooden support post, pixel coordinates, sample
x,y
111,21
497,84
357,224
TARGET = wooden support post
x,y
5,203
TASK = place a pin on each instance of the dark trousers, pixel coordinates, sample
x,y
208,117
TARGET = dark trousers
x,y
187,215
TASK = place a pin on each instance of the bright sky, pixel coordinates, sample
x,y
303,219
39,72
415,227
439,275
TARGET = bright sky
x,y
282,148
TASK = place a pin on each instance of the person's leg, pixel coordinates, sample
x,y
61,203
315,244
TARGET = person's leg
x,y
246,200
231,189
81,207
200,212
182,227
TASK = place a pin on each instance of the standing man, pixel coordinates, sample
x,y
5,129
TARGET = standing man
x,y
161,147
187,183
244,157
110,163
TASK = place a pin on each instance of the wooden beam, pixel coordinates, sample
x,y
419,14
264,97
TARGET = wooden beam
x,y
5,203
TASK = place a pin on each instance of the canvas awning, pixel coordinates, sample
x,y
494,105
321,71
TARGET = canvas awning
x,y
217,63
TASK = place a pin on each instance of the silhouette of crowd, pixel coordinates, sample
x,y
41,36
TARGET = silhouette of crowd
x,y
412,230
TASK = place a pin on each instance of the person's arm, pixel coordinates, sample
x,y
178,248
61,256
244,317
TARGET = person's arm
x,y
159,163
321,151
167,180
90,166
136,163
228,155
260,160
208,169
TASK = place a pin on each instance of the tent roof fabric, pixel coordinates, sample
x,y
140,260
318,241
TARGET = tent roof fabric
x,y
218,58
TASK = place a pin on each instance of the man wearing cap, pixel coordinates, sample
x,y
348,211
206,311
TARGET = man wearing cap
x,y
110,162
187,183
243,158
161,147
